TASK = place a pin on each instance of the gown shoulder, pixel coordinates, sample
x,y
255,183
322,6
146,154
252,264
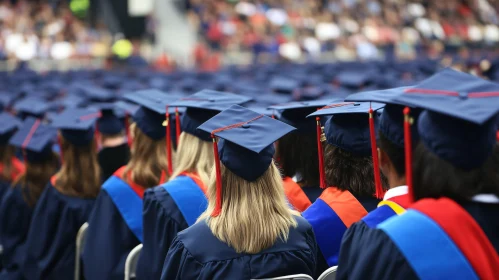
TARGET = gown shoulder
x,y
197,254
50,245
109,241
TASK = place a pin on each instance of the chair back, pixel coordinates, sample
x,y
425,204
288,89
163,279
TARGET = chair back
x,y
80,243
290,277
329,274
131,262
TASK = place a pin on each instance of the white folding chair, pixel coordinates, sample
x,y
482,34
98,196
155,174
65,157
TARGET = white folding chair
x,y
80,243
131,262
290,277
329,274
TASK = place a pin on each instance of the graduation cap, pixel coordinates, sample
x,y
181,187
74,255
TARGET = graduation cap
x,y
295,113
351,128
98,94
35,139
284,85
354,79
76,125
31,106
202,106
245,144
109,122
6,100
8,126
459,123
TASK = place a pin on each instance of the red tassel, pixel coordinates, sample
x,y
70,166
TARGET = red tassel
x,y
97,136
127,130
59,142
218,205
162,179
408,151
320,154
168,143
177,125
374,151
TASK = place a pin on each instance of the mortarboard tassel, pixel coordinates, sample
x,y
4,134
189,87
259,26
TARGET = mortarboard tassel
x,y
218,203
28,139
127,130
408,150
320,154
168,142
59,142
96,135
177,125
374,151
162,179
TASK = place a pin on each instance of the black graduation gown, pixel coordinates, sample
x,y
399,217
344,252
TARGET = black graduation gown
x,y
162,221
376,256
112,158
197,254
109,241
51,241
15,218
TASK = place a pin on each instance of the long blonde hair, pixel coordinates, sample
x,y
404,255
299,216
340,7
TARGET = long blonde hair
x,y
7,153
148,159
80,174
254,214
35,178
194,155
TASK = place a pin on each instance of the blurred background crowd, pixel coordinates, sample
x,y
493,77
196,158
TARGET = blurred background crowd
x,y
222,31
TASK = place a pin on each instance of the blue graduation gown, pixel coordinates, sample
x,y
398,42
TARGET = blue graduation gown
x,y
162,221
109,239
15,218
197,254
376,255
51,241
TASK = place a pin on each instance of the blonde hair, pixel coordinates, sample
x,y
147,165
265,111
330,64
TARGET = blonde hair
x,y
35,178
148,159
80,174
254,214
194,155
7,153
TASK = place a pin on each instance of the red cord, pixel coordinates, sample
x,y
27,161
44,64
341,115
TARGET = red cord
x,y
218,202
177,124
320,154
127,130
431,91
408,151
28,138
162,179
374,152
59,142
168,143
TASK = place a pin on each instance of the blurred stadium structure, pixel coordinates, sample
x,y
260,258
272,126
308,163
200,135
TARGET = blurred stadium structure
x,y
64,34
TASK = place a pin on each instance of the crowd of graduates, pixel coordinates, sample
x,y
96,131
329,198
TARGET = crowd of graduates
x,y
385,170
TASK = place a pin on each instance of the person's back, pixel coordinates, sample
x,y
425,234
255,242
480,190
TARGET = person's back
x,y
248,230
10,166
18,203
66,202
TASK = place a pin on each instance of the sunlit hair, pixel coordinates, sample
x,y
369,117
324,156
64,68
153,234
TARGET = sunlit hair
x,y
194,155
350,172
6,153
80,174
148,159
254,214
35,178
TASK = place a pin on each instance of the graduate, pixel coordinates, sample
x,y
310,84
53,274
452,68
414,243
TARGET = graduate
x,y
174,206
10,166
348,176
297,153
16,208
114,152
248,230
115,225
66,202
451,231
390,140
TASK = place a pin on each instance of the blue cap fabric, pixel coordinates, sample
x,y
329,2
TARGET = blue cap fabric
x,y
246,145
35,138
98,94
460,121
8,126
76,125
6,100
348,128
31,106
109,122
151,114
354,79
284,85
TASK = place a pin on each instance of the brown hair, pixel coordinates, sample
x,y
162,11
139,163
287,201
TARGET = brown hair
x,y
435,177
297,154
350,172
7,152
36,177
80,174
148,159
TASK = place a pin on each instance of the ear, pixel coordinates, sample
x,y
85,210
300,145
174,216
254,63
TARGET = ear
x,y
384,161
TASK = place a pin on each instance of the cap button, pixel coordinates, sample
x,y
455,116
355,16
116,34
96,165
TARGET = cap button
x,y
245,125
463,95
